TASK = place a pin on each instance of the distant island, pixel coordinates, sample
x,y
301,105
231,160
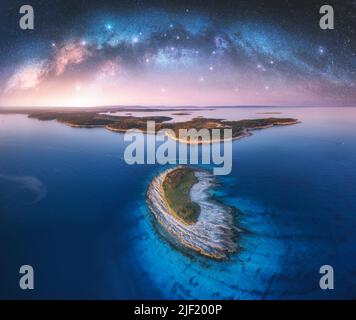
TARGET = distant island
x,y
270,112
181,114
188,217
100,117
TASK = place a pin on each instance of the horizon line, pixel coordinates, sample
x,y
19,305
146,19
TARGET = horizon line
x,y
175,106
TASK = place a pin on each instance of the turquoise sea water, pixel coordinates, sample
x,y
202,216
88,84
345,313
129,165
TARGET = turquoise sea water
x,y
74,210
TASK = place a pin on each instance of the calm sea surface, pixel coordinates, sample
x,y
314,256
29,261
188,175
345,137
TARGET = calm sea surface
x,y
74,210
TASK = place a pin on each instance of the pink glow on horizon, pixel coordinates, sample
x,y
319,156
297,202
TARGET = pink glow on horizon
x,y
109,85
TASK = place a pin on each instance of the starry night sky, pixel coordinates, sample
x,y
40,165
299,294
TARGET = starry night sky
x,y
183,53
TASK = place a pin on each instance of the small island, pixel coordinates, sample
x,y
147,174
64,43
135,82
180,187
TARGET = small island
x,y
188,217
181,114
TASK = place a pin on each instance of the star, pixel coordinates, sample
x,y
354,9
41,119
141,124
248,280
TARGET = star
x,y
188,46
321,50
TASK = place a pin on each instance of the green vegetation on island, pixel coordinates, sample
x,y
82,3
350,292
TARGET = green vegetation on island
x,y
176,187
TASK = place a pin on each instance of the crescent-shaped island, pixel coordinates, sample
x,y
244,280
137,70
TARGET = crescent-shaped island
x,y
183,208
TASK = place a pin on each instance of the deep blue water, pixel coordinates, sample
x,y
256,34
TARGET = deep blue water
x,y
74,210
